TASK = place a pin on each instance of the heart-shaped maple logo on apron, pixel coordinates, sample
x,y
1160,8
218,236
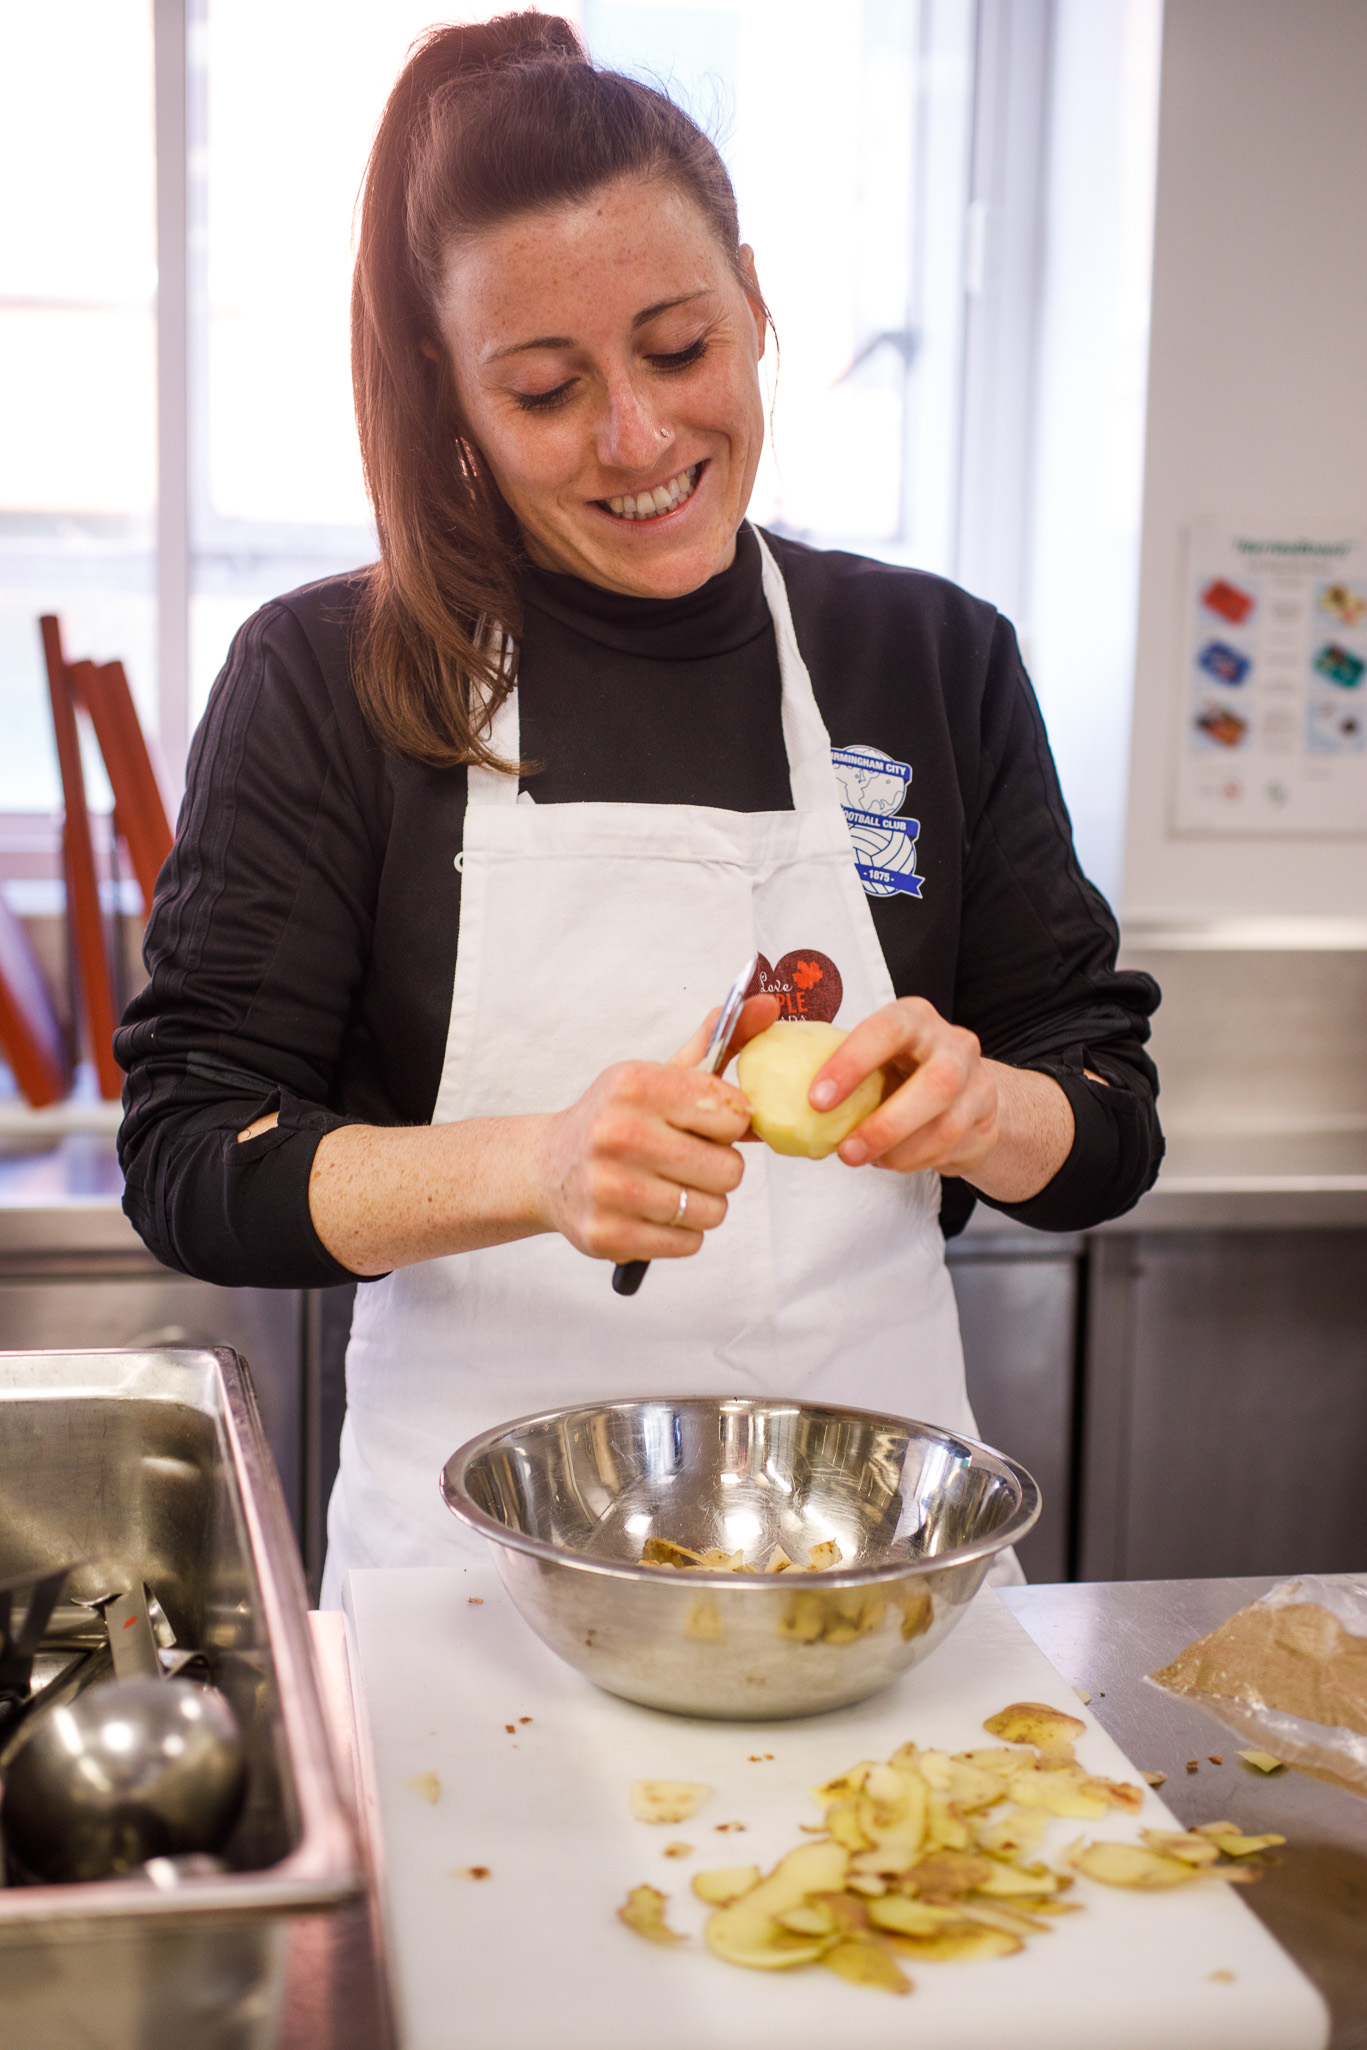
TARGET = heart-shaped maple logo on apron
x,y
806,983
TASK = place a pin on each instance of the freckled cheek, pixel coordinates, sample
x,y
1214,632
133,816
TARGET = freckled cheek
x,y
531,470
726,407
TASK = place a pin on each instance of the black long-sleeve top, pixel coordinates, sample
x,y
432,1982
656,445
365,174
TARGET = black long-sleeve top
x,y
302,943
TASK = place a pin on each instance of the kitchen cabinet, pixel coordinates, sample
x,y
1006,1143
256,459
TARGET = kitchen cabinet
x,y
1192,1403
1226,1406
1019,1295
1225,1427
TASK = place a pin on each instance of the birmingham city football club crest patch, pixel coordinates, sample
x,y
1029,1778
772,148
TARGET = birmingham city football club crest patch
x,y
873,789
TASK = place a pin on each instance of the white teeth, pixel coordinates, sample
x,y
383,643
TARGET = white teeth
x,y
649,505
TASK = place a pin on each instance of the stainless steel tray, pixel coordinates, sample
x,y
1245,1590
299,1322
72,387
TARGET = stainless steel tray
x,y
153,1465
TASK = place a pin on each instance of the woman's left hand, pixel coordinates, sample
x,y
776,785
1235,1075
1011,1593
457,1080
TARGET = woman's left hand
x,y
1006,1130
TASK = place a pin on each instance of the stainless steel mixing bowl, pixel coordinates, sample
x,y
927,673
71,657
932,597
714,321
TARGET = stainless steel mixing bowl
x,y
568,1500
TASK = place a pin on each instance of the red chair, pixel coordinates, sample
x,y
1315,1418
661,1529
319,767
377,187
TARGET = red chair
x,y
139,814
140,821
30,1031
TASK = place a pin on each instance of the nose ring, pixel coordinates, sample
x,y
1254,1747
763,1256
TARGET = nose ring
x,y
664,434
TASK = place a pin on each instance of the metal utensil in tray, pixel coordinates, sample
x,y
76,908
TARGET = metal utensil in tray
x,y
153,1465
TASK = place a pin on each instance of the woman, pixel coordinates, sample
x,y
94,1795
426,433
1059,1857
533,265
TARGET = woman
x,y
473,839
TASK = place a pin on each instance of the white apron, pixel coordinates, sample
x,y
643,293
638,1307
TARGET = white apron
x,y
590,934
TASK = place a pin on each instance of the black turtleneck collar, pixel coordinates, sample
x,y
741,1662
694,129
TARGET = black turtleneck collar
x,y
727,612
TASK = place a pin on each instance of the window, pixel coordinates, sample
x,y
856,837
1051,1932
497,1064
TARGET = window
x,y
283,101
865,292
931,188
77,363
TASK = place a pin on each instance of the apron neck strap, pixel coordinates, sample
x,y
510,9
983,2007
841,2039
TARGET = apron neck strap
x,y
811,772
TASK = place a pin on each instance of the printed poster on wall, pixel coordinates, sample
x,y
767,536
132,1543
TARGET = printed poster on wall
x,y
1273,704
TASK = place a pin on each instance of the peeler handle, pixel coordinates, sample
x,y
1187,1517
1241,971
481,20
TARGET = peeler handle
x,y
628,1276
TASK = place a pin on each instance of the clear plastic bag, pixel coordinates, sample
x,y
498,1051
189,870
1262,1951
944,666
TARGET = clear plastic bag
x,y
1289,1675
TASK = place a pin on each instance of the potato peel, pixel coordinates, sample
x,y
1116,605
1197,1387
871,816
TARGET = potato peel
x,y
748,1932
666,1800
1232,1843
643,1911
962,1944
1052,1733
866,1962
1133,1865
821,1558
935,1856
721,1887
1191,1847
658,1551
703,1623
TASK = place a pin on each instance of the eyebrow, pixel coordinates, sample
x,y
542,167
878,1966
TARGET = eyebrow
x,y
647,313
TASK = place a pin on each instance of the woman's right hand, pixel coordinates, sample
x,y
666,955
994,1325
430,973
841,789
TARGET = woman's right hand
x,y
607,1172
614,1165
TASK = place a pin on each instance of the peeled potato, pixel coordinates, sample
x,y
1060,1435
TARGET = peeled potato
x,y
777,1069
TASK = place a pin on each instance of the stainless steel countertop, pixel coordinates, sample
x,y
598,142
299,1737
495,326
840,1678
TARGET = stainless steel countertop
x,y
1255,1181
1103,1638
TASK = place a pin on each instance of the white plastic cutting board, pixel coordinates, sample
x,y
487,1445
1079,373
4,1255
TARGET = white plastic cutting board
x,y
533,1957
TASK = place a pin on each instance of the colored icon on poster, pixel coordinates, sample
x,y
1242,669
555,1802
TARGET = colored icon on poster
x,y
1221,727
1226,599
1335,728
1347,603
1340,665
1224,663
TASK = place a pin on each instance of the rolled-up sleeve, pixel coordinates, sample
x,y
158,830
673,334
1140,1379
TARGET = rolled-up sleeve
x,y
255,948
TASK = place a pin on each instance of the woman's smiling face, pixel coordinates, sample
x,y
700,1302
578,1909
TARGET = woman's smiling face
x,y
607,362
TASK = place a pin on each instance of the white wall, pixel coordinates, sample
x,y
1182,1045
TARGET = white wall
x,y
1257,405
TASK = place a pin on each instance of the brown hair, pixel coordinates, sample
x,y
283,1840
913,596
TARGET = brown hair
x,y
485,122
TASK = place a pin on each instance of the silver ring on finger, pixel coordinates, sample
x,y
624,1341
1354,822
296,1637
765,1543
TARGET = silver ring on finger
x,y
682,1211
